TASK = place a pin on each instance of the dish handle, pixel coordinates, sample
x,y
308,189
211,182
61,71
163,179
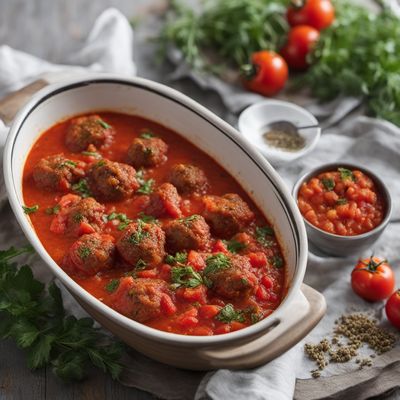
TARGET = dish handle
x,y
299,319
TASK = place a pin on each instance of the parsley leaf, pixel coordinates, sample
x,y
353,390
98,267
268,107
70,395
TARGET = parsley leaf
x,y
91,154
185,276
82,188
124,220
341,202
329,184
179,258
30,210
234,246
262,234
276,261
147,134
103,124
149,219
35,319
84,252
228,314
188,220
140,264
146,186
137,236
53,210
216,263
112,286
346,174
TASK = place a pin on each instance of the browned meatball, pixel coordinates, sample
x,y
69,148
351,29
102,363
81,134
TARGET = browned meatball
x,y
230,276
85,216
227,215
140,299
90,254
56,173
191,233
147,152
112,181
188,179
88,130
142,243
164,201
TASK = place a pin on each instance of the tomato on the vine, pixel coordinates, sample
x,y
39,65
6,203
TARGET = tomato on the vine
x,y
266,74
300,42
393,309
373,279
317,13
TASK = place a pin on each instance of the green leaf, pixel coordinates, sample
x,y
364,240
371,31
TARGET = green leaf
x,y
179,258
30,210
112,285
39,353
228,314
137,236
70,365
216,263
91,154
148,219
147,134
264,235
185,276
277,261
24,333
53,210
188,220
82,188
329,184
234,246
12,252
103,124
124,220
346,174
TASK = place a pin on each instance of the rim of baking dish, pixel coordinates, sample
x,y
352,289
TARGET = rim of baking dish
x,y
281,191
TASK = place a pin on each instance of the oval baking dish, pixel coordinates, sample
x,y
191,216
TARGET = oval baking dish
x,y
248,347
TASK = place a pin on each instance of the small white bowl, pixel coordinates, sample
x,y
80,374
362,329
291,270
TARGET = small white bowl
x,y
254,121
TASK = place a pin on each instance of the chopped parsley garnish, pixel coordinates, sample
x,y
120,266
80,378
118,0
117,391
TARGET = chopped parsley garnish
x,y
216,263
276,261
149,219
148,151
68,163
82,188
262,234
30,210
103,124
101,163
329,184
147,134
188,220
185,276
91,154
53,210
112,286
141,264
254,318
146,186
84,252
139,235
341,202
179,258
228,314
77,217
234,246
124,221
346,174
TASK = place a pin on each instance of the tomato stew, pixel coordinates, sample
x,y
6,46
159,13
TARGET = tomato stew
x,y
342,202
152,226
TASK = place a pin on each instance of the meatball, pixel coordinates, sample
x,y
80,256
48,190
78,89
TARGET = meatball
x,y
142,242
164,201
112,181
90,254
79,217
140,299
147,152
227,215
57,173
88,130
191,233
233,279
188,179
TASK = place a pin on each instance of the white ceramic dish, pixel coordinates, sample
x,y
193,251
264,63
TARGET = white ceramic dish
x,y
254,120
208,132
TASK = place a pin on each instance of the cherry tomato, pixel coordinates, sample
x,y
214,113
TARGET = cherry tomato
x,y
317,13
267,73
393,309
373,279
300,42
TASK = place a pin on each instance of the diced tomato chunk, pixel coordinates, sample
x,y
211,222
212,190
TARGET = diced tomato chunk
x,y
68,200
192,295
209,311
147,273
267,282
59,224
261,293
167,305
165,272
85,228
258,260
188,318
202,331
196,260
224,328
219,247
236,325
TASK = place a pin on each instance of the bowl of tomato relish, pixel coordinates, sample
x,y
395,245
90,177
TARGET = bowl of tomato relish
x,y
345,207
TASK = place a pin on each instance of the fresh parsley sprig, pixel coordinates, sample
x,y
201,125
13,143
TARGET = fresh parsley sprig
x,y
35,318
146,186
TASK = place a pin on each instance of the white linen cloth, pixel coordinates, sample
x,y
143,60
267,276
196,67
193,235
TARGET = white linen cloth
x,y
374,143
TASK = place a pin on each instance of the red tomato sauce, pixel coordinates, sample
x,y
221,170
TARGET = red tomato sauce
x,y
185,310
342,202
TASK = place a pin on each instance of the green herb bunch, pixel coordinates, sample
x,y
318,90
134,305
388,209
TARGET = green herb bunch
x,y
35,318
359,56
